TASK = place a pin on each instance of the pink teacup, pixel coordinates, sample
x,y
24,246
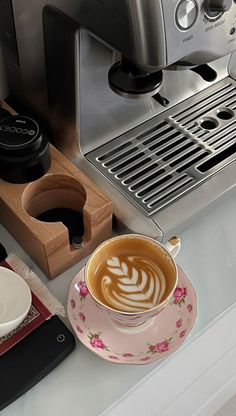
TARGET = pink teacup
x,y
131,278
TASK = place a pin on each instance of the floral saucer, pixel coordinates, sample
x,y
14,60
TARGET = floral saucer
x,y
149,342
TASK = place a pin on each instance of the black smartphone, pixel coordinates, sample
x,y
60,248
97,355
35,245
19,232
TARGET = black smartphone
x,y
33,358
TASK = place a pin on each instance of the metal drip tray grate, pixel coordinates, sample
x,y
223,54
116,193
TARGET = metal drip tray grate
x,y
162,159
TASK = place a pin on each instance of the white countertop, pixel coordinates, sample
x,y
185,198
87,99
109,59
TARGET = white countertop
x,y
85,385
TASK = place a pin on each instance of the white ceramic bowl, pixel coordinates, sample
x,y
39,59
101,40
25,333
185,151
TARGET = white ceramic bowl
x,y
15,300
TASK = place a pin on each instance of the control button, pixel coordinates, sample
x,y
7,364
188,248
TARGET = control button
x,y
217,7
186,14
61,338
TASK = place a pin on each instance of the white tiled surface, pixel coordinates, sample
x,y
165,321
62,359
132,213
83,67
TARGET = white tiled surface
x,y
85,385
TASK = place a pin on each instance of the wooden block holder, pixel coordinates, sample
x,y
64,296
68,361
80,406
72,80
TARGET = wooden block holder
x,y
64,186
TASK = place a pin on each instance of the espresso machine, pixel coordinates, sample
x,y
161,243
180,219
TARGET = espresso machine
x,y
139,94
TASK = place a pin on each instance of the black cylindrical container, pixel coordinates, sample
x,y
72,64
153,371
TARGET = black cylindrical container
x,y
24,150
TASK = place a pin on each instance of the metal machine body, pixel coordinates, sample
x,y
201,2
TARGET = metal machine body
x,y
162,166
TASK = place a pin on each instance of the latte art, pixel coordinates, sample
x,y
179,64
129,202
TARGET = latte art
x,y
131,278
132,283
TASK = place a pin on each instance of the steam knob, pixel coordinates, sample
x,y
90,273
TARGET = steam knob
x,y
213,6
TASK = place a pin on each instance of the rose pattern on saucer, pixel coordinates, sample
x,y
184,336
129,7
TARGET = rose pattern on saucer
x,y
82,289
160,347
80,330
179,323
96,332
82,317
190,307
183,333
97,342
179,295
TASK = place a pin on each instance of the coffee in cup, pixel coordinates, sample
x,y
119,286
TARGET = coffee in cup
x,y
131,277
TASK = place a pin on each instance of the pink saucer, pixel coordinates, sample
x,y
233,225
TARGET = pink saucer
x,y
149,342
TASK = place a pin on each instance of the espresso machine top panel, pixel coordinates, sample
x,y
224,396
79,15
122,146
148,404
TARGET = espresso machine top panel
x,y
159,33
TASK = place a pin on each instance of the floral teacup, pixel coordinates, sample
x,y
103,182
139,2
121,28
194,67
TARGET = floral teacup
x,y
131,278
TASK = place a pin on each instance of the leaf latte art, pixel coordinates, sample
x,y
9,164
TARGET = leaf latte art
x,y
132,284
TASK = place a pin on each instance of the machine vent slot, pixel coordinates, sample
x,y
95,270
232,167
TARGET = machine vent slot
x,y
149,183
114,152
192,162
133,173
161,160
116,161
170,193
218,158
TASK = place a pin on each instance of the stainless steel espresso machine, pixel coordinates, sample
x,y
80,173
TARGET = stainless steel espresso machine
x,y
140,94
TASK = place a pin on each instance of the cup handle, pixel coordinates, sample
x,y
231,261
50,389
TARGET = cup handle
x,y
173,246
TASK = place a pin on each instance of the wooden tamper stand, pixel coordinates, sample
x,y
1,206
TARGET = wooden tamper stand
x,y
64,186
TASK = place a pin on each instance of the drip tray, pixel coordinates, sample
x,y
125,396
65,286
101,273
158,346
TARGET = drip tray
x,y
161,160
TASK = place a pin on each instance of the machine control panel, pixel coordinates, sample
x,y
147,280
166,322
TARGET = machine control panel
x,y
198,31
186,14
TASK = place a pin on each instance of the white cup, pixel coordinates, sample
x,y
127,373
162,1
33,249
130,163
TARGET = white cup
x,y
15,300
